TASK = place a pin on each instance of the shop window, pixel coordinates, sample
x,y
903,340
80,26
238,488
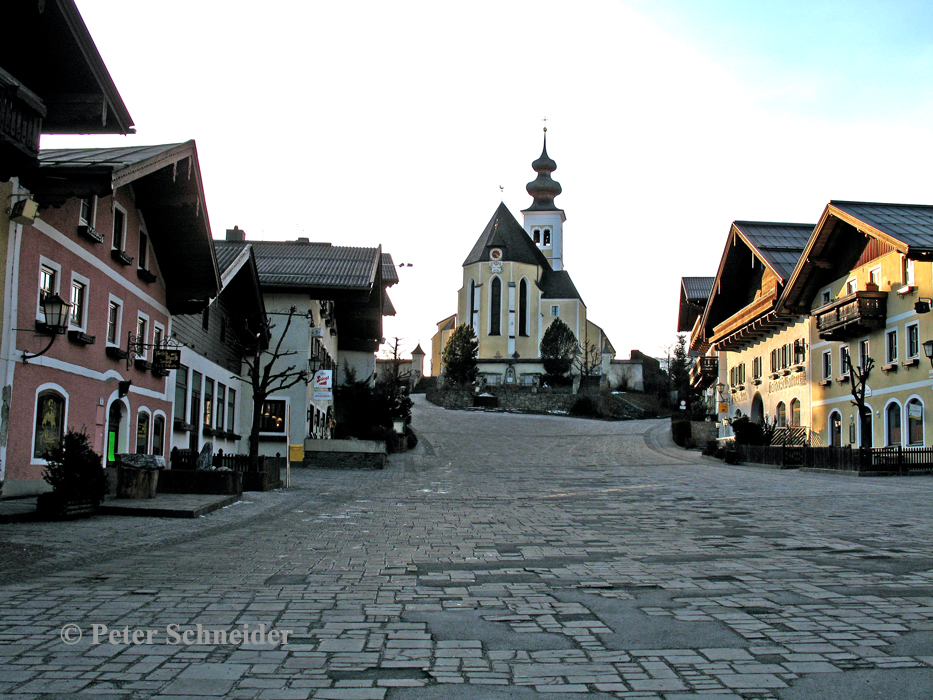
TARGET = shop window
x,y
272,419
915,423
893,423
781,415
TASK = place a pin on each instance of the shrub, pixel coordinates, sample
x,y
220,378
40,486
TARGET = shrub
x,y
682,433
749,433
586,406
75,470
712,447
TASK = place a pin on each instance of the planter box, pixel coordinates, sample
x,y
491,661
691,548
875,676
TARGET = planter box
x,y
135,482
54,506
203,482
345,454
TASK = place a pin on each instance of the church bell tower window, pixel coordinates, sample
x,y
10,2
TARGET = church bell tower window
x,y
536,236
547,236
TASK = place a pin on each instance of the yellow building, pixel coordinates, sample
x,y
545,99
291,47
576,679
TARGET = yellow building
x,y
762,353
865,281
515,286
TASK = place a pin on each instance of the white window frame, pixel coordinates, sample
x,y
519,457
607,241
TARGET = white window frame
x,y
907,329
866,344
908,272
555,311
843,363
141,350
122,249
887,434
93,211
58,389
826,296
157,326
80,279
889,359
824,365
905,436
135,427
874,276
851,286
119,330
57,286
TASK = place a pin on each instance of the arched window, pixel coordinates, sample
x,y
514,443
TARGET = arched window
x,y
50,423
158,435
914,422
781,415
536,236
547,236
795,413
142,433
472,305
523,307
495,307
892,419
835,429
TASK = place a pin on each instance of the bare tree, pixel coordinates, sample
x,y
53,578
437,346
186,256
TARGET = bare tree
x,y
858,381
268,376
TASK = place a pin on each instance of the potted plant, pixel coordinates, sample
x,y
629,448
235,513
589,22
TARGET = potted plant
x,y
76,474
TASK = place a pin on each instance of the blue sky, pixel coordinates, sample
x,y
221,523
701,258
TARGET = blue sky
x,y
367,123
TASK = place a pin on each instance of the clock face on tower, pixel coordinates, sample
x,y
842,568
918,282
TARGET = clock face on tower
x,y
495,254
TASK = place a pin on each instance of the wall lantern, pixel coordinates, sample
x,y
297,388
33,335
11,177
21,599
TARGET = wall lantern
x,y
928,351
922,306
56,312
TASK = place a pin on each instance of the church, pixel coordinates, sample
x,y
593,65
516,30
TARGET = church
x,y
515,286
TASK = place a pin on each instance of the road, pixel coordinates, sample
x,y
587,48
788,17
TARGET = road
x,y
507,556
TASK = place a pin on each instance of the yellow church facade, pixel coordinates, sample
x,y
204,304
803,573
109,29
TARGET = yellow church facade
x,y
514,286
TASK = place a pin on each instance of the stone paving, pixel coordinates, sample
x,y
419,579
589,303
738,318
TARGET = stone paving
x,y
506,557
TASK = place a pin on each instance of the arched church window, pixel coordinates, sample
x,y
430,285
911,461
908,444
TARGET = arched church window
x,y
495,307
472,305
537,236
523,307
547,236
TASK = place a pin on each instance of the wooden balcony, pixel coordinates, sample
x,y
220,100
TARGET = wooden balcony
x,y
21,113
704,372
853,315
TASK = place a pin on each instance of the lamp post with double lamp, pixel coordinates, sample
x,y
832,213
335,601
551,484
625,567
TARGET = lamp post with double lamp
x,y
56,312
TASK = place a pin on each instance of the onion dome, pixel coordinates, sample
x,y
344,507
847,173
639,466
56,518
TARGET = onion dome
x,y
543,188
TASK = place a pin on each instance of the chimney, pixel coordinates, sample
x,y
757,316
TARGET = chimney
x,y
236,234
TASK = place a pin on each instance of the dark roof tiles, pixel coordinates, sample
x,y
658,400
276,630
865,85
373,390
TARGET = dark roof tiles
x,y
780,245
504,232
910,223
556,284
697,288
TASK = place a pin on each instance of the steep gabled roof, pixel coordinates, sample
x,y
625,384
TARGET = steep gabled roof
x,y
167,188
694,294
556,284
389,273
737,310
838,240
504,232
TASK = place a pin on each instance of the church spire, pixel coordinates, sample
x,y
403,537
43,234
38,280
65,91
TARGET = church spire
x,y
543,188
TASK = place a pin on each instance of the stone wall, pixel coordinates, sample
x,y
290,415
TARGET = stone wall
x,y
191,481
345,454
545,400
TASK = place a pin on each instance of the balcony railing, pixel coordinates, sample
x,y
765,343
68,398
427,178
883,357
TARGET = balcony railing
x,y
21,113
855,314
704,372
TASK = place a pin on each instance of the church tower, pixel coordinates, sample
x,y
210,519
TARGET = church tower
x,y
544,222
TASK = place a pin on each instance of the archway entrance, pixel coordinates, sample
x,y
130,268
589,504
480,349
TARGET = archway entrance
x,y
114,422
758,410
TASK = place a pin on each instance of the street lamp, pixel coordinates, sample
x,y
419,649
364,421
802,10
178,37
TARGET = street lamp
x,y
56,312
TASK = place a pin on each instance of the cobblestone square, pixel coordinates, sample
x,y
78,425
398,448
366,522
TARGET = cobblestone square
x,y
507,556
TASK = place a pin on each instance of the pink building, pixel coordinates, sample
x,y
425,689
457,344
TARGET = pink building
x,y
123,236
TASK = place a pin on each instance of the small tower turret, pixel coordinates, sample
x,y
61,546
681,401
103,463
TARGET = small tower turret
x,y
543,219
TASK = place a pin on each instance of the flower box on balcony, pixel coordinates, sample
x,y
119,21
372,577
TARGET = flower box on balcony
x,y
799,368
826,382
145,276
843,378
143,364
121,257
912,362
81,338
756,382
179,424
90,233
774,375
892,367
159,371
115,353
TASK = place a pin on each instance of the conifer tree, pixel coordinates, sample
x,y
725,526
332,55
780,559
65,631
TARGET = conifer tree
x,y
558,349
459,356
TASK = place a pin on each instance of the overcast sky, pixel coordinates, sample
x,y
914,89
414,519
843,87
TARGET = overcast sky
x,y
394,124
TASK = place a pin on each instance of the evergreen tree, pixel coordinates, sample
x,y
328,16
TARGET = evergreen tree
x,y
679,372
459,356
558,349
75,470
